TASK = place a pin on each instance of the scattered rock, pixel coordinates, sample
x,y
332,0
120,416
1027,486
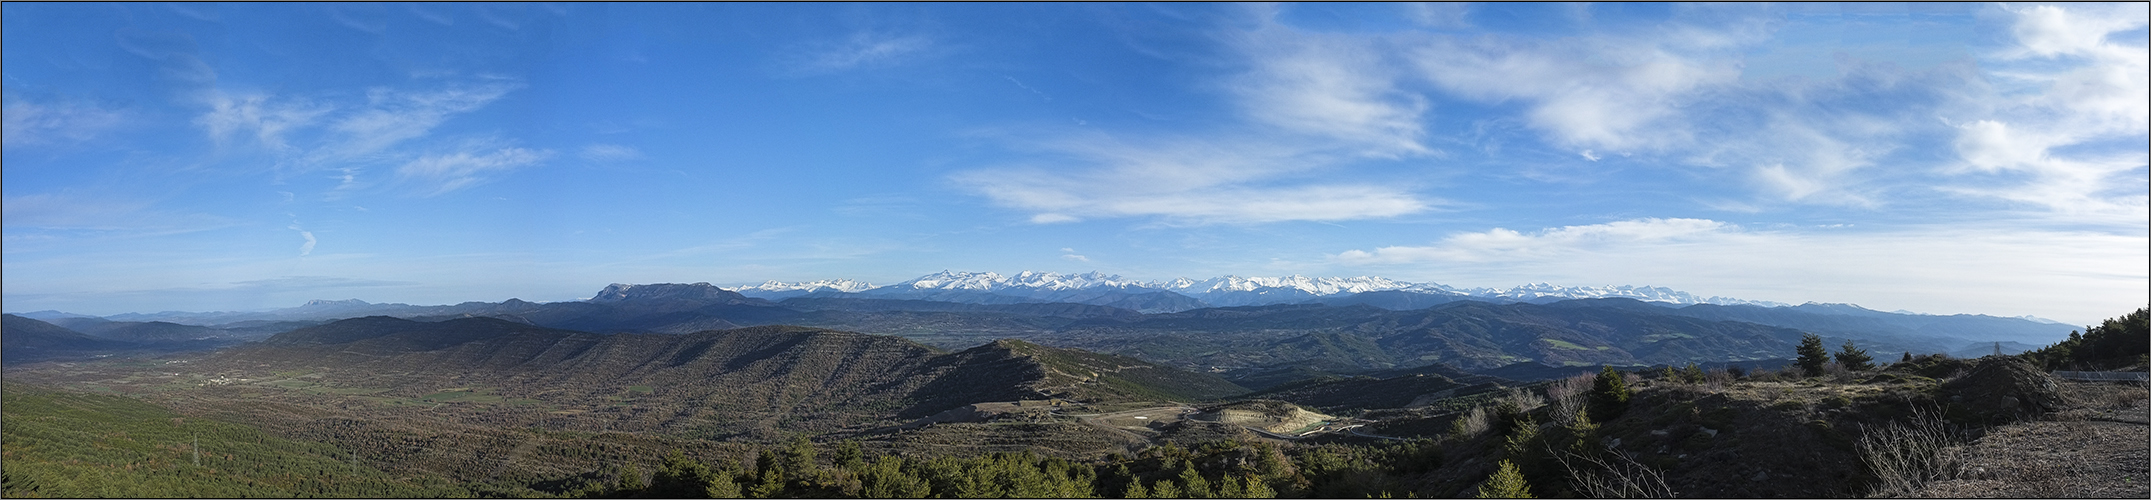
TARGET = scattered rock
x,y
1712,432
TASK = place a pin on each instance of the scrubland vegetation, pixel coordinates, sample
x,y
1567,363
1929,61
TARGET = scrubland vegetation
x,y
1924,425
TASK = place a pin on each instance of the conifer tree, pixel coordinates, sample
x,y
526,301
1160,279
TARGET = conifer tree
x,y
1135,489
849,456
1506,483
1609,395
1257,488
630,479
681,477
1694,374
1229,487
1193,484
798,460
1854,358
722,485
1812,355
1164,488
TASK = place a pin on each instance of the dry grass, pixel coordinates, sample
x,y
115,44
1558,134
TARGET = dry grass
x,y
1617,475
1905,456
2099,448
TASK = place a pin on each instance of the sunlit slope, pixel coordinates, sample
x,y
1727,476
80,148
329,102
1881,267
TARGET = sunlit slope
x,y
756,371
68,444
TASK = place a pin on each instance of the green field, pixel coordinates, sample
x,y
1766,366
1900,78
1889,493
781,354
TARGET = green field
x,y
70,444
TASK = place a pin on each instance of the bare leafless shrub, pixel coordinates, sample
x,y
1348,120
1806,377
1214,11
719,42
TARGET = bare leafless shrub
x,y
1524,400
1906,455
1717,379
1568,396
1472,424
1614,474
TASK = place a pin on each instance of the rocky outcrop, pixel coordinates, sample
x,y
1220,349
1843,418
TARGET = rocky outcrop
x,y
2002,389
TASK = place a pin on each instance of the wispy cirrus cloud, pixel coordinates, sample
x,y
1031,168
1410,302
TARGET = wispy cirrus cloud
x,y
610,153
1596,92
1504,244
1306,102
27,123
393,116
2076,86
347,139
119,215
471,163
1333,87
1189,181
268,121
863,49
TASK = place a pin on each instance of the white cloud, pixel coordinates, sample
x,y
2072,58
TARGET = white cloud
x,y
269,121
1185,181
1504,244
610,153
393,116
1329,86
39,216
1605,93
475,163
1989,269
2084,89
25,123
865,49
307,248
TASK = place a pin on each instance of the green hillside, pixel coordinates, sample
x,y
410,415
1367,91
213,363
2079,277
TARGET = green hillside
x,y
70,445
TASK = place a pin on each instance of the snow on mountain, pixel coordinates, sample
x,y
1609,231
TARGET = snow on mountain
x,y
778,290
1224,290
837,285
1316,286
1644,293
1027,280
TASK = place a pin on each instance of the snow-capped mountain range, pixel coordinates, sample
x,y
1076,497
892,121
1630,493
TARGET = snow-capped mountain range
x,y
1221,291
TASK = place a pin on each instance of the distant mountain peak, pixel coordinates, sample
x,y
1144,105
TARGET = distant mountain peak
x,y
620,292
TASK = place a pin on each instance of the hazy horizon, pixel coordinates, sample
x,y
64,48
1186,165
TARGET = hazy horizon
x,y
1936,158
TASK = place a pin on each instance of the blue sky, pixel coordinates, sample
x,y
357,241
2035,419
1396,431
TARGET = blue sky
x,y
1942,158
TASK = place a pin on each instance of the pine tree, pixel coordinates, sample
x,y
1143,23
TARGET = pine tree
x,y
1135,489
1257,488
1164,488
1192,483
681,477
849,456
1854,358
798,460
1694,374
722,485
630,479
1229,487
1506,483
1609,395
1812,355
